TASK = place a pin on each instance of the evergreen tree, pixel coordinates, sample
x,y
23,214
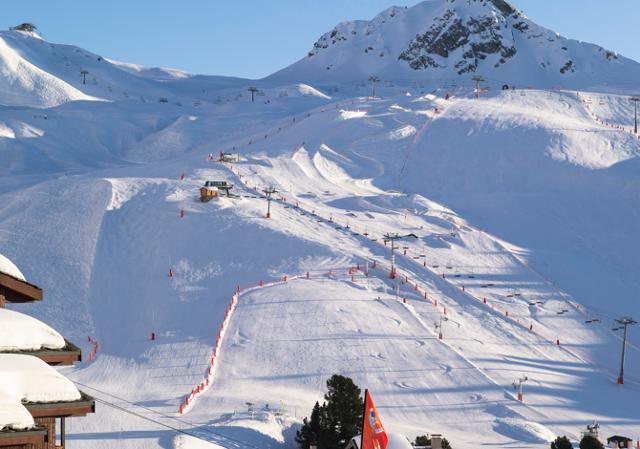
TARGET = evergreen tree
x,y
589,442
344,410
561,443
312,431
445,444
336,421
423,440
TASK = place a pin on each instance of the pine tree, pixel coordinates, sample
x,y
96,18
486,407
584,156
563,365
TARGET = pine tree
x,y
344,410
423,440
561,443
312,430
446,444
336,421
589,442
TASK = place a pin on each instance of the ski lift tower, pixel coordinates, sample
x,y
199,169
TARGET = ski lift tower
x,y
517,385
253,91
635,101
374,79
624,323
268,192
478,80
392,238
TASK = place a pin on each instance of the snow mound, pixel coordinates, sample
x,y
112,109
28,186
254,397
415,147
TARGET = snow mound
x,y
398,441
402,133
8,267
189,442
522,430
305,89
348,115
20,332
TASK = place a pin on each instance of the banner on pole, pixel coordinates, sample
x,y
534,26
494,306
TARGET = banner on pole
x,y
373,434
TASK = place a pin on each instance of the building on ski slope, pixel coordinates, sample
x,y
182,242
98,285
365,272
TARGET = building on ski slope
x,y
35,399
620,441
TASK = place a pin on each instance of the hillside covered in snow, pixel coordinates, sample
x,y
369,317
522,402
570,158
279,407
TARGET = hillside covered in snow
x,y
439,41
520,208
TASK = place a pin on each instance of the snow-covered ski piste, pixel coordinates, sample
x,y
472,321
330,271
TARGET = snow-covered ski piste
x,y
433,246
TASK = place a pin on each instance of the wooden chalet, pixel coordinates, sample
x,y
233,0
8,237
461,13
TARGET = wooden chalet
x,y
620,441
49,417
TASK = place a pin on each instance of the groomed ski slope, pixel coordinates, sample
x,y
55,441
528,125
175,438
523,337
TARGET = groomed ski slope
x,y
114,233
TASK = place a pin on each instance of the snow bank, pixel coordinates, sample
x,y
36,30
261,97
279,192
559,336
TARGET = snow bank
x,y
398,441
29,379
348,115
522,430
305,89
188,442
402,133
20,332
8,267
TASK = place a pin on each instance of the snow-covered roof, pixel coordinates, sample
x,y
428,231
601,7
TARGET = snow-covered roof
x,y
20,332
13,415
27,378
8,267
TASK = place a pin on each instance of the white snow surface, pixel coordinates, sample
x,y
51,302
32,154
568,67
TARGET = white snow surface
x,y
20,332
522,198
189,442
8,267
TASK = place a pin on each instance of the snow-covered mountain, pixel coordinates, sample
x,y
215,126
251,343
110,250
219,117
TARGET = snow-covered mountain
x,y
524,203
38,73
442,40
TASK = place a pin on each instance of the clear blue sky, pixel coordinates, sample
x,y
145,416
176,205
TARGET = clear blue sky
x,y
252,38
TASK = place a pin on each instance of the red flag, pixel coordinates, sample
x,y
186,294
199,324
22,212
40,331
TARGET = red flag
x,y
373,433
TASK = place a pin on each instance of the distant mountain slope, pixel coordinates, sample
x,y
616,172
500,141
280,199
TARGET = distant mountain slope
x,y
37,73
445,39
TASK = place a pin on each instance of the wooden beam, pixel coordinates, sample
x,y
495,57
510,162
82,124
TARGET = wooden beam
x,y
82,407
21,438
66,356
16,290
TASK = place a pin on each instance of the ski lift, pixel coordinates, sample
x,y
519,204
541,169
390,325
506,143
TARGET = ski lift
x,y
593,320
